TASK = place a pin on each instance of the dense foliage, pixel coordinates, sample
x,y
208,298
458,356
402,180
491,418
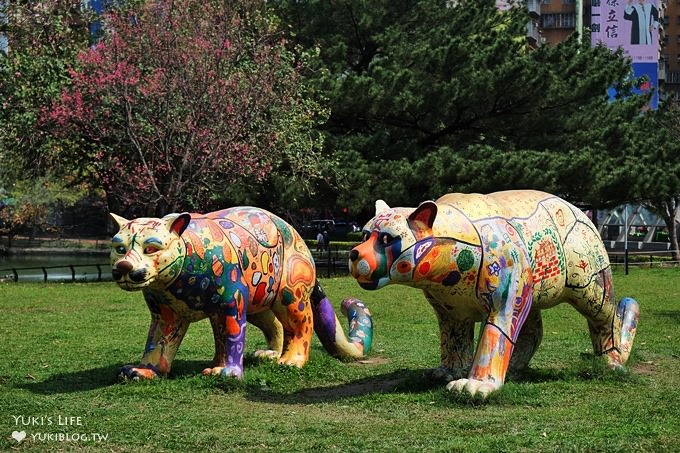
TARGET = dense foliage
x,y
428,98
656,160
35,176
182,100
195,105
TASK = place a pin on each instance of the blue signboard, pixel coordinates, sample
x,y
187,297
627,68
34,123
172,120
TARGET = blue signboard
x,y
651,72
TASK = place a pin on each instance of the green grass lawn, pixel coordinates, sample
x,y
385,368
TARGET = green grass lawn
x,y
61,345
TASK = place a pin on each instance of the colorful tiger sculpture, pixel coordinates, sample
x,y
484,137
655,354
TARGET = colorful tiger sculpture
x,y
229,266
498,259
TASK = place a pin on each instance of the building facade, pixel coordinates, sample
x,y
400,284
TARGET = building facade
x,y
559,19
670,51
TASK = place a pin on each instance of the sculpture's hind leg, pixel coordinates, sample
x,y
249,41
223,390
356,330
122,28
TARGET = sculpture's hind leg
x,y
612,326
527,342
295,314
273,333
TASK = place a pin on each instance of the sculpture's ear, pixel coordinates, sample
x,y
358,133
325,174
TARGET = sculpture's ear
x,y
177,223
424,215
120,221
380,206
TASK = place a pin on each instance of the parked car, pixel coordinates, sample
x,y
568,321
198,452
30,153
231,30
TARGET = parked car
x,y
337,230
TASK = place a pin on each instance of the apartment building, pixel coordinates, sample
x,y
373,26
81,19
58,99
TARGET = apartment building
x,y
670,50
558,20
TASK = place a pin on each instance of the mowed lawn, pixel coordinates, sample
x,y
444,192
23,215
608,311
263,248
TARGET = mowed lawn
x,y
61,344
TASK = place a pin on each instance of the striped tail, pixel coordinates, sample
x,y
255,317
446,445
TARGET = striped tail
x,y
330,332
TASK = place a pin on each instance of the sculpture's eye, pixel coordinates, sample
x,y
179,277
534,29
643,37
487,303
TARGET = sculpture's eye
x,y
150,249
386,238
365,236
120,249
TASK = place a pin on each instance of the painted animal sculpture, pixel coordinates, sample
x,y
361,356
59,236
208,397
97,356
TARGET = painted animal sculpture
x,y
229,266
498,259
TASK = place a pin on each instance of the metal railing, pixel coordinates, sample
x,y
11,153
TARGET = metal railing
x,y
656,258
331,261
15,273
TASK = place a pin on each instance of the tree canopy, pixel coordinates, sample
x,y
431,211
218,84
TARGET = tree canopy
x,y
428,98
43,39
197,105
183,100
656,161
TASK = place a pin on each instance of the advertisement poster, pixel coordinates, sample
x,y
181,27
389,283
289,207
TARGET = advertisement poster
x,y
630,24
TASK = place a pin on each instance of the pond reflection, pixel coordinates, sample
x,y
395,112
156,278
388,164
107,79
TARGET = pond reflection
x,y
55,267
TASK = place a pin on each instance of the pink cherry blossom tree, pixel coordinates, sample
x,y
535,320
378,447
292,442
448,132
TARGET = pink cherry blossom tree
x,y
183,98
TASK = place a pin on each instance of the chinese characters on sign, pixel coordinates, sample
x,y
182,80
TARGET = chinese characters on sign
x,y
630,24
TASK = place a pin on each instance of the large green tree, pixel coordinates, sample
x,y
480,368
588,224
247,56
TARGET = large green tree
x,y
43,39
432,96
656,160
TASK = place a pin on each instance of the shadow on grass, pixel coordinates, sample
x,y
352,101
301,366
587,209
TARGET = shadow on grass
x,y
399,381
265,381
405,381
96,378
589,368
77,381
673,315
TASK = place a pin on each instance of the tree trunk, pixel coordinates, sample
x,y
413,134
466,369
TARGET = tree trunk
x,y
667,208
673,234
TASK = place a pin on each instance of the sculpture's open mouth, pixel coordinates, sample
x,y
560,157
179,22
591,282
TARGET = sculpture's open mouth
x,y
131,279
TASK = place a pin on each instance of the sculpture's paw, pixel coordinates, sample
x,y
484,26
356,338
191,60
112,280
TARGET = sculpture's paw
x,y
295,360
268,354
614,361
473,387
137,373
225,371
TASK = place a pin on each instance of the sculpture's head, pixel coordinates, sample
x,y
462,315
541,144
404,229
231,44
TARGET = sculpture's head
x,y
148,251
393,242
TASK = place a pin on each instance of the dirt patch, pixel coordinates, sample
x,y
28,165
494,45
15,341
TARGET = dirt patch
x,y
645,369
372,361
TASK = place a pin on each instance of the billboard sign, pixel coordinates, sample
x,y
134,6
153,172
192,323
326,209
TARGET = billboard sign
x,y
630,24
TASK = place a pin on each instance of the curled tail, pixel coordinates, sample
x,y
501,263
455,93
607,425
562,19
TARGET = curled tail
x,y
330,332
628,314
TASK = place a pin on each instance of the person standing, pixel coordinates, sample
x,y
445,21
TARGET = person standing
x,y
320,242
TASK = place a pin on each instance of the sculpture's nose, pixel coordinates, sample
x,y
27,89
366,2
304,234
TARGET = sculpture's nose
x,y
120,269
124,266
353,255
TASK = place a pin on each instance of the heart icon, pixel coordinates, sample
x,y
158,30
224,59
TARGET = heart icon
x,y
19,435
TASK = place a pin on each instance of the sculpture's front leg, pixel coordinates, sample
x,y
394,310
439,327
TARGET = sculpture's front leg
x,y
456,332
510,304
490,364
229,331
166,333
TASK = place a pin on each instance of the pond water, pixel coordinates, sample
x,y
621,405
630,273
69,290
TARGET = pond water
x,y
55,267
